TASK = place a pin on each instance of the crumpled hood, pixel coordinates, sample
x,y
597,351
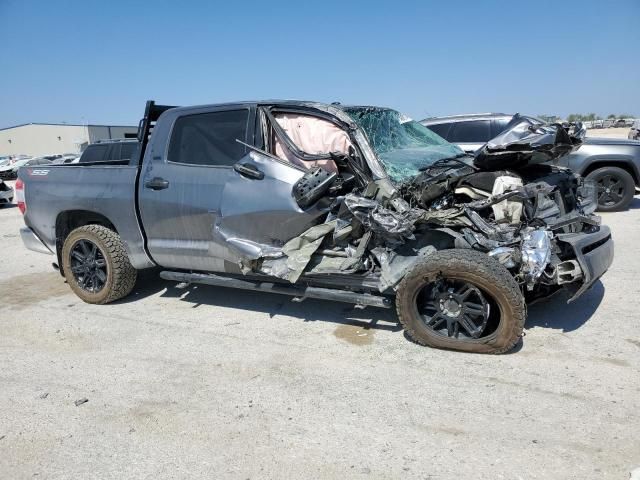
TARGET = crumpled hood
x,y
526,142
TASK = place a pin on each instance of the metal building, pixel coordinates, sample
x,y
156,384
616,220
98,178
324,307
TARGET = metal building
x,y
56,138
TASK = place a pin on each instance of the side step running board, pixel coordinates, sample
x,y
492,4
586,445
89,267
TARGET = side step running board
x,y
302,292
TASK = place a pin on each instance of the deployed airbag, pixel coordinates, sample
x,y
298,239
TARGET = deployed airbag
x,y
312,135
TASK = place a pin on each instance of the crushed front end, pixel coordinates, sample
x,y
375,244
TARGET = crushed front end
x,y
537,222
381,192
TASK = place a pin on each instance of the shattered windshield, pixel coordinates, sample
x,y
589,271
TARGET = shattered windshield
x,y
401,144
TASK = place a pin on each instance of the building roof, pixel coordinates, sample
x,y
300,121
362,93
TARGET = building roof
x,y
68,125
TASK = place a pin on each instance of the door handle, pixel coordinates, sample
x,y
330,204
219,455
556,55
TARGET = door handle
x,y
248,170
156,183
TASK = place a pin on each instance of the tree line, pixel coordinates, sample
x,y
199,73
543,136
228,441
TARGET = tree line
x,y
579,117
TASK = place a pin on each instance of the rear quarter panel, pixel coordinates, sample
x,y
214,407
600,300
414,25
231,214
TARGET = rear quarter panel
x,y
106,190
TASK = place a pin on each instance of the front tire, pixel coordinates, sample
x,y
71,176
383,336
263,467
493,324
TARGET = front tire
x,y
461,300
616,188
96,265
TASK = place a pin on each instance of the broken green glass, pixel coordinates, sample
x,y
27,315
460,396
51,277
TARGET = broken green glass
x,y
404,146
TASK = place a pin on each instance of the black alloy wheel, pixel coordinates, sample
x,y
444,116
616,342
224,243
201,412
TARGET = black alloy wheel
x,y
610,190
454,308
89,266
615,188
461,299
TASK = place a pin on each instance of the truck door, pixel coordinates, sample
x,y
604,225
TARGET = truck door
x,y
185,169
258,211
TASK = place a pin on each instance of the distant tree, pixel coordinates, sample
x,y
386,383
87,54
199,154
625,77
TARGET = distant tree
x,y
573,117
591,117
625,115
611,116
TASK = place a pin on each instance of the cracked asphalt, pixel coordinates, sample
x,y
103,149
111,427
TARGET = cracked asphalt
x,y
209,382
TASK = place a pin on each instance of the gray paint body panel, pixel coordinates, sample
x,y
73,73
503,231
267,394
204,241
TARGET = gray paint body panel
x,y
598,150
105,190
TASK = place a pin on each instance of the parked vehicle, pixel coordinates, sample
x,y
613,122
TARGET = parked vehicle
x,y
613,164
10,171
109,150
352,204
6,194
634,132
66,158
12,159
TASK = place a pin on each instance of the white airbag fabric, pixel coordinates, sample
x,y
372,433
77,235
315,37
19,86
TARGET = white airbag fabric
x,y
508,211
312,135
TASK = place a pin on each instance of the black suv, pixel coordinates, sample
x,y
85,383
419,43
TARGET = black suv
x,y
108,151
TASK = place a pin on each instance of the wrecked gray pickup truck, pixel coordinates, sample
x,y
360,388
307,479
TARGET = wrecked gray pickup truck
x,y
351,204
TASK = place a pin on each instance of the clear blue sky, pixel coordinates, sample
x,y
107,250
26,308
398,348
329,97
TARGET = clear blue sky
x,y
99,61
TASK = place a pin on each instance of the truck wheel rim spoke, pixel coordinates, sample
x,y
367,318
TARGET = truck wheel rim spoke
x,y
454,309
88,266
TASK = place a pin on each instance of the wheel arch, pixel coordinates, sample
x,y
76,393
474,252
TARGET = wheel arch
x,y
624,164
69,220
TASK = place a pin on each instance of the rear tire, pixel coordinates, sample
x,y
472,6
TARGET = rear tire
x,y
615,187
104,274
503,305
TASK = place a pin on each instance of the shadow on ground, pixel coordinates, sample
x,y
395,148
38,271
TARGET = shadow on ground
x,y
635,203
557,313
551,313
309,310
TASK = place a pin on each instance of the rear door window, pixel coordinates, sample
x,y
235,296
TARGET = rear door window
x,y
474,131
209,138
441,129
126,150
94,153
114,152
498,126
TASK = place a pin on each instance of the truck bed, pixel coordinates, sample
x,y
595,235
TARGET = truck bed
x,y
80,191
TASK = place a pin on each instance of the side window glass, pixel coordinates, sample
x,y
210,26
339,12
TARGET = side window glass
x,y
498,126
209,138
94,153
441,129
126,150
476,131
114,152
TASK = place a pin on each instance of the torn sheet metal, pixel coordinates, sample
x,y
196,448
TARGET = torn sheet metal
x,y
507,256
248,249
303,255
300,249
525,142
394,266
394,227
536,253
449,217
